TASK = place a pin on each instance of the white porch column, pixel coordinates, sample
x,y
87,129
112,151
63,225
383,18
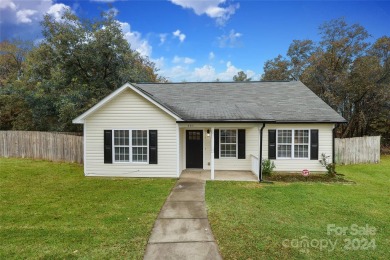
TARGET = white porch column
x,y
212,153
177,150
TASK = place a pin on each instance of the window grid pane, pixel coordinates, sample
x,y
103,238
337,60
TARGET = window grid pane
x,y
285,136
228,143
140,145
284,143
284,150
301,136
301,151
122,154
121,137
301,141
121,146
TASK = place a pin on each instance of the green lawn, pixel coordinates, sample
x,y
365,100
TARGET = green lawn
x,y
50,210
252,221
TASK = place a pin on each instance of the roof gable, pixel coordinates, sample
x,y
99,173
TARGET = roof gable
x,y
80,119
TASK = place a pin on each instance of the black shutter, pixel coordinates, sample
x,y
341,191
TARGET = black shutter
x,y
152,146
107,146
314,144
216,143
241,143
272,144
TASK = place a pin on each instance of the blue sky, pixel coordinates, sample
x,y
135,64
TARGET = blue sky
x,y
204,40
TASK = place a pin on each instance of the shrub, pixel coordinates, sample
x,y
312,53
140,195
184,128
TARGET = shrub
x,y
330,167
267,167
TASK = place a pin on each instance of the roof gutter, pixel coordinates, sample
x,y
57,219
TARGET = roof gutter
x,y
225,121
257,121
308,122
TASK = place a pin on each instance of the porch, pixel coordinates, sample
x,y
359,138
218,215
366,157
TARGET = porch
x,y
218,175
219,151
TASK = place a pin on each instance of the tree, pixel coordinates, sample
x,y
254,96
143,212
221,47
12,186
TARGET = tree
x,y
299,53
12,56
381,50
277,69
380,124
241,76
346,71
77,63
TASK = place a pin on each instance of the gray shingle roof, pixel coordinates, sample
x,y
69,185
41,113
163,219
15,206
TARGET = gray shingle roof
x,y
241,101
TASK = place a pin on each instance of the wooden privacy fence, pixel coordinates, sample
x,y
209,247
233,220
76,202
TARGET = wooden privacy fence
x,y
357,150
53,146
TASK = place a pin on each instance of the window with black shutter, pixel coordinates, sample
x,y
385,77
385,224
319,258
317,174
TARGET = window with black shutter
x,y
153,147
241,144
314,144
216,143
107,146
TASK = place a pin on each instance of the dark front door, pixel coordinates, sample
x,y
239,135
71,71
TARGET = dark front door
x,y
194,149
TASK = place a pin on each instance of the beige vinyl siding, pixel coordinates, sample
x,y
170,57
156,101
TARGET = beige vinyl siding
x,y
129,110
324,146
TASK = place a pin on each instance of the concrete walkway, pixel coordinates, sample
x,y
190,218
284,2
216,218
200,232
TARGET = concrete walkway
x,y
182,230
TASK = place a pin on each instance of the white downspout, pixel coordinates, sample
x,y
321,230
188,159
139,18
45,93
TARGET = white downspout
x,y
212,153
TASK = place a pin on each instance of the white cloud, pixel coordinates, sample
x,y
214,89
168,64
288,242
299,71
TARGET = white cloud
x,y
163,38
203,73
160,62
211,55
136,41
188,60
176,73
4,4
28,12
230,71
184,60
220,10
229,40
25,16
209,73
57,10
179,35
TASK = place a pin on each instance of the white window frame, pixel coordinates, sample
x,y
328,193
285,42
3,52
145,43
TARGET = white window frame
x,y
130,146
220,143
119,146
293,144
136,146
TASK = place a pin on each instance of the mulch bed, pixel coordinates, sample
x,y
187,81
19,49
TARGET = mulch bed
x,y
297,177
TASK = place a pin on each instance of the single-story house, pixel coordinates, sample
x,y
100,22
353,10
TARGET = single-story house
x,y
161,129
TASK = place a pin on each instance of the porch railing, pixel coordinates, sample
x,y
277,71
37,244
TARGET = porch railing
x,y
255,165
